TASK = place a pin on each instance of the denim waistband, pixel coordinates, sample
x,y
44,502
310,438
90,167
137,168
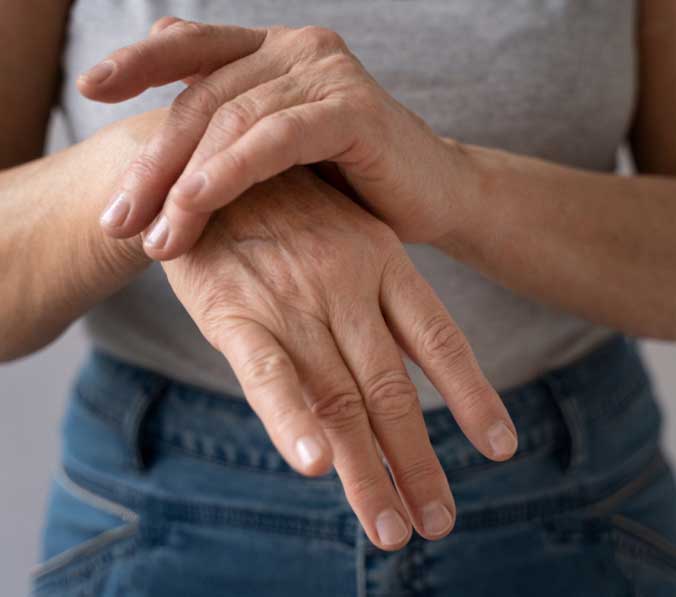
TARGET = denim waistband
x,y
554,412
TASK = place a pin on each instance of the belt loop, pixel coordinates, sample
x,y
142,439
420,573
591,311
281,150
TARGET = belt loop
x,y
573,419
134,418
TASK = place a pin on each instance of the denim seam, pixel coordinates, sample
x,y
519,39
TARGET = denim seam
x,y
90,548
94,407
283,473
173,510
457,474
88,564
642,544
617,404
648,475
564,500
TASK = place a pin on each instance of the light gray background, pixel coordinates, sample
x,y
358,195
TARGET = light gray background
x,y
32,396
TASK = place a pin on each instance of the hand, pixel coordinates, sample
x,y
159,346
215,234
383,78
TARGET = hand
x,y
309,298
259,102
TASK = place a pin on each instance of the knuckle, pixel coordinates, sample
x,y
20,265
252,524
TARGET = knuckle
x,y
162,23
144,167
440,339
472,401
420,473
364,488
275,31
236,162
339,410
212,308
320,39
267,366
287,417
289,126
191,29
383,234
236,117
391,396
198,102
347,75
130,53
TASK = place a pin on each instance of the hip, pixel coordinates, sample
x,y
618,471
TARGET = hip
x,y
168,489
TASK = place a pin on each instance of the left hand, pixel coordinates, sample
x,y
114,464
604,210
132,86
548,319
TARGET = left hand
x,y
260,101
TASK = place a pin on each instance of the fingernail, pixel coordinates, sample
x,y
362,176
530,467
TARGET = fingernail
x,y
391,528
309,450
503,442
116,212
192,185
159,233
99,73
436,519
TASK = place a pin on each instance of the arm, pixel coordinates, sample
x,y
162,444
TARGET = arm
x,y
29,74
55,262
533,226
598,245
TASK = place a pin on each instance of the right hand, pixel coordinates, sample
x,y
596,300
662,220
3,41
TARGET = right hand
x,y
310,298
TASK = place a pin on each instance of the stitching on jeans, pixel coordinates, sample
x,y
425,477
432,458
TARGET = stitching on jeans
x,y
94,407
174,510
95,501
640,543
561,501
654,469
284,472
129,525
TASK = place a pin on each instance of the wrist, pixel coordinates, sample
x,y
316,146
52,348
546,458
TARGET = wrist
x,y
474,180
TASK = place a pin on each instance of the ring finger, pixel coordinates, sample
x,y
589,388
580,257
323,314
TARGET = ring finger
x,y
396,418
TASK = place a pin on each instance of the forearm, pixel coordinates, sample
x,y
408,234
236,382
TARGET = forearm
x,y
598,245
55,261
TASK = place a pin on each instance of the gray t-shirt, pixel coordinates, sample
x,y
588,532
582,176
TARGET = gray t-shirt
x,y
547,78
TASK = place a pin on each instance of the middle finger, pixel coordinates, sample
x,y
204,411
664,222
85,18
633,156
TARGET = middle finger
x,y
396,418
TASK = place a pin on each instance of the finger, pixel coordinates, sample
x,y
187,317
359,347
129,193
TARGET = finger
x,y
161,24
180,50
299,135
236,117
336,402
428,334
176,229
396,418
173,232
145,184
271,385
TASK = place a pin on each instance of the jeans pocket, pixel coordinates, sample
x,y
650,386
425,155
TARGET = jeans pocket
x,y
645,556
641,518
87,538
629,536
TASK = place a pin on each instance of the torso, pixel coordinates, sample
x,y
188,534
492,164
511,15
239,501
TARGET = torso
x,y
549,78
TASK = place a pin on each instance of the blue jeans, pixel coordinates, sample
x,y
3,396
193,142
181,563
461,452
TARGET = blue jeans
x,y
170,490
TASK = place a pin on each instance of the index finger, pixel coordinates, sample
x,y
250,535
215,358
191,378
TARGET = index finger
x,y
271,385
182,49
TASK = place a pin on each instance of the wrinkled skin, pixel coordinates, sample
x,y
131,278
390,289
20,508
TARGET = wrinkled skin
x,y
309,298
